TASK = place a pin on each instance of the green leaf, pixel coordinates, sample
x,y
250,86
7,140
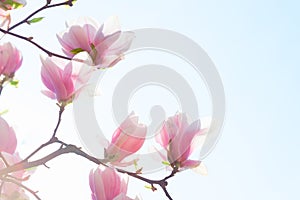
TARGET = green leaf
x,y
14,83
35,20
166,163
76,51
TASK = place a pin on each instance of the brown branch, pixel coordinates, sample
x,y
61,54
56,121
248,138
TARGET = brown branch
x,y
53,139
30,40
73,149
26,165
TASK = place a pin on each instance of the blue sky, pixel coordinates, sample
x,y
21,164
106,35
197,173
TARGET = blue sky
x,y
255,46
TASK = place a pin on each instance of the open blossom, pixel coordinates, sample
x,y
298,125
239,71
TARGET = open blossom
x,y
108,184
11,4
126,140
63,79
8,140
10,59
10,190
177,137
105,44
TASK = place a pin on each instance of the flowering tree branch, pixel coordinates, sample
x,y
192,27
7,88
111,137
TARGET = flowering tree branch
x,y
69,148
105,48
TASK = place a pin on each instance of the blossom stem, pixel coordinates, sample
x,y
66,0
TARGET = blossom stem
x,y
2,83
61,110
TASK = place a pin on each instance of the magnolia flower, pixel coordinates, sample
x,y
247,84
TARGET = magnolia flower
x,y
63,79
8,140
10,59
5,19
11,190
5,7
105,44
11,4
108,184
177,138
126,140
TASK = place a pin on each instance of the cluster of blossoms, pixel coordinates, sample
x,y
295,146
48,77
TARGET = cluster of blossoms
x,y
102,46
105,46
10,57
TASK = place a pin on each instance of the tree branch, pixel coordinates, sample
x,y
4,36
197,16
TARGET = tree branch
x,y
30,40
69,148
47,6
53,139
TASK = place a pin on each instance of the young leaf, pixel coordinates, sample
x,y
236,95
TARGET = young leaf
x,y
14,83
76,51
35,20
166,163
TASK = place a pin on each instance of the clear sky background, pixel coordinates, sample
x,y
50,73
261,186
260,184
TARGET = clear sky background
x,y
255,46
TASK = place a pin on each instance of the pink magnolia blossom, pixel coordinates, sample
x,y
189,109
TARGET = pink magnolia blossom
x,y
105,44
126,140
11,190
10,59
63,79
108,184
11,4
177,137
8,140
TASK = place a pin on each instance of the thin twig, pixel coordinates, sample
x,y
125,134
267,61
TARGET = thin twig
x,y
47,6
53,139
61,110
30,40
4,160
1,187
